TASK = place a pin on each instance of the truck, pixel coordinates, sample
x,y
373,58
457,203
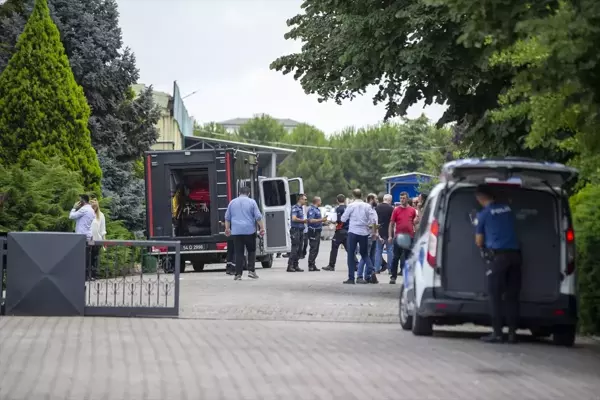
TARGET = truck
x,y
187,194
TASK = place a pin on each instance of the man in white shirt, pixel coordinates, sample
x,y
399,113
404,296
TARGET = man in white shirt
x,y
84,215
363,223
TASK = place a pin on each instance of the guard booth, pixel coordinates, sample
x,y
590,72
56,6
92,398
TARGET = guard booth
x,y
268,157
409,183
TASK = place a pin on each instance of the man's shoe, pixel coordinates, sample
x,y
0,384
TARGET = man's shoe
x,y
290,269
286,255
373,278
513,338
383,269
237,278
349,282
492,338
252,275
361,281
298,269
392,281
329,268
313,268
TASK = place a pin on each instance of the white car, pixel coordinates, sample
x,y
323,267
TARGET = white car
x,y
444,278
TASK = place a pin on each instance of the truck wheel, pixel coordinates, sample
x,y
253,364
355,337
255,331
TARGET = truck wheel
x,y
406,320
198,266
564,335
268,262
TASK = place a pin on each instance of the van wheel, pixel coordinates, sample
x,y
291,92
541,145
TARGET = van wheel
x,y
564,335
268,262
406,320
198,266
422,326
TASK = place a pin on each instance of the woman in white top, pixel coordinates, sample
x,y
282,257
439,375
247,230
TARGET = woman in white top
x,y
98,233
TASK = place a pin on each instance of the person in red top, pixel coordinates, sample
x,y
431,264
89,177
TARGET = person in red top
x,y
403,220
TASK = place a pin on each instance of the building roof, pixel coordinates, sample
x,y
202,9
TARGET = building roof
x,y
241,121
406,175
251,146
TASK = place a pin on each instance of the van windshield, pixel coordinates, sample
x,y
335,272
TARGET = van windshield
x,y
538,229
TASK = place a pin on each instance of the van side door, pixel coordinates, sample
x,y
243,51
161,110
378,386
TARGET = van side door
x,y
275,203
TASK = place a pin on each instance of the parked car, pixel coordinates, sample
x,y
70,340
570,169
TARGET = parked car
x,y
444,282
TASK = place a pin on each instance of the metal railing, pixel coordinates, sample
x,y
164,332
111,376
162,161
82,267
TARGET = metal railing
x,y
130,278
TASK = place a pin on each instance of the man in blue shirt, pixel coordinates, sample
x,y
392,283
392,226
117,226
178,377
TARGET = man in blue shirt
x,y
241,218
497,239
296,233
315,226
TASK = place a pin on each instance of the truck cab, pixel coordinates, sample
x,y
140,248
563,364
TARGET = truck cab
x,y
187,194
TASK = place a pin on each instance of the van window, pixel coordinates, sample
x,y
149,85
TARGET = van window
x,y
274,192
424,218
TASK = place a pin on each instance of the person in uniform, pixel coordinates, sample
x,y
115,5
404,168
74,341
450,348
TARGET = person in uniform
x,y
297,234
341,233
304,245
315,226
496,237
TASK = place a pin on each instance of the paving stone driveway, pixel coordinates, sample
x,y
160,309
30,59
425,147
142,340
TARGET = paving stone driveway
x,y
280,337
103,358
284,296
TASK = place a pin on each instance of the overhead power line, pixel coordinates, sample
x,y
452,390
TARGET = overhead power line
x,y
307,146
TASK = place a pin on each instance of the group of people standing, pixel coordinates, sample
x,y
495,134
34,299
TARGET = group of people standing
x,y
364,227
368,228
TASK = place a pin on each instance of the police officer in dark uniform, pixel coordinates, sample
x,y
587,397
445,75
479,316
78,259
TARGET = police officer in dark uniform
x,y
341,233
315,226
497,239
296,234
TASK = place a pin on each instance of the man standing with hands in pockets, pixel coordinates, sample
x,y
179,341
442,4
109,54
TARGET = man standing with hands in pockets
x,y
241,218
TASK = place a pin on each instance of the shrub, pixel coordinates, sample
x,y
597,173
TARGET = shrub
x,y
38,198
586,218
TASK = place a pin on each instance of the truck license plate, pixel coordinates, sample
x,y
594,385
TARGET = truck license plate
x,y
192,247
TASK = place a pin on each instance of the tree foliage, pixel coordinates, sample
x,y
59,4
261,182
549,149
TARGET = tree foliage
x,y
38,198
43,112
122,126
330,165
586,217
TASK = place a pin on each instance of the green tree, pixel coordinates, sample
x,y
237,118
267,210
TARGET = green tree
x,y
586,218
413,50
214,130
262,129
43,112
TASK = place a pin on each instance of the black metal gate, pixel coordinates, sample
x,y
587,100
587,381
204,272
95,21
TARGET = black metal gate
x,y
132,278
2,274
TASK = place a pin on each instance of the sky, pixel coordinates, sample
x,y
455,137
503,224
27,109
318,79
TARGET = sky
x,y
221,49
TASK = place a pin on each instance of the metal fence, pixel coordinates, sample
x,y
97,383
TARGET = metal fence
x,y
132,278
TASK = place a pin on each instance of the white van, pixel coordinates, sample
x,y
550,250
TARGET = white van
x,y
444,278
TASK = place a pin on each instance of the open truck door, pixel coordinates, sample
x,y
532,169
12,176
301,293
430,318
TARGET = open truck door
x,y
296,188
275,201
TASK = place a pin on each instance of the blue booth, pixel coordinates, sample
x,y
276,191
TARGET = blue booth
x,y
408,183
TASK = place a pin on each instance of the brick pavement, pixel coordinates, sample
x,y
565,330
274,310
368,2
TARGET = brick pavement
x,y
280,295
261,340
103,358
